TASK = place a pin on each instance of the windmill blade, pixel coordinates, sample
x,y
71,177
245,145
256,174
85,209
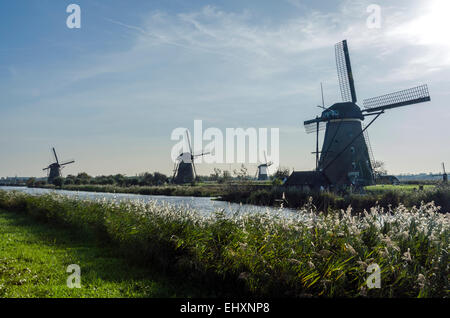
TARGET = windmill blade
x,y
175,169
189,141
46,168
202,154
56,157
415,95
311,126
265,157
195,171
345,74
369,147
67,162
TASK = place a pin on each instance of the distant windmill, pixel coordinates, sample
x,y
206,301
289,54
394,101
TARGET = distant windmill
x,y
344,159
262,172
184,170
54,169
443,175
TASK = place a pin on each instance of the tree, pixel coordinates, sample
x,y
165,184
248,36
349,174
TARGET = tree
x,y
70,179
378,169
40,184
226,176
132,181
119,179
30,182
216,175
146,179
242,173
281,173
83,178
159,178
58,182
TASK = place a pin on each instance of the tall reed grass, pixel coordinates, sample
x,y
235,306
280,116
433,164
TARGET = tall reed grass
x,y
296,198
306,255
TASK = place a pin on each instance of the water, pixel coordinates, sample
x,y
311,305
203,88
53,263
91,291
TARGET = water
x,y
201,204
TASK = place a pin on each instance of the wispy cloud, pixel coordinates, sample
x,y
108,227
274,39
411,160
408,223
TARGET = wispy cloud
x,y
228,67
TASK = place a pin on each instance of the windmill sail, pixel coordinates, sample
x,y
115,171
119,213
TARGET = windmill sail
x,y
189,141
67,162
369,147
405,97
56,157
311,127
345,74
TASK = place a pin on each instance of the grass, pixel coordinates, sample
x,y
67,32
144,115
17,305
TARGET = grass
x,y
260,193
200,189
310,254
389,197
211,190
34,258
400,187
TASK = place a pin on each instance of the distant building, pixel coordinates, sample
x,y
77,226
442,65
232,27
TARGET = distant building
x,y
308,181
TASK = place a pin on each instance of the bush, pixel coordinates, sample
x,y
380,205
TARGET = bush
x,y
325,201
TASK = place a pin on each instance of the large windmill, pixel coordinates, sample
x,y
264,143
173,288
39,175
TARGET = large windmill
x,y
263,173
344,158
54,169
184,170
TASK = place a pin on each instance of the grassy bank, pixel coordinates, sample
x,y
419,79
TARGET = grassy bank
x,y
34,258
326,201
212,190
400,187
197,190
267,195
266,255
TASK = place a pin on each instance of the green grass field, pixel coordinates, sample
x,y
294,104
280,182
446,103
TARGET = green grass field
x,y
34,258
400,187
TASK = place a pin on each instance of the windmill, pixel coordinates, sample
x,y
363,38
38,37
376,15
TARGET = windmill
x,y
344,158
443,174
54,169
262,172
184,170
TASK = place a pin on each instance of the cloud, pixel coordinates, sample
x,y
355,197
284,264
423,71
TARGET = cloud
x,y
265,50
230,68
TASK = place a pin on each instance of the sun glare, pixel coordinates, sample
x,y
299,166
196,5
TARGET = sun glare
x,y
433,26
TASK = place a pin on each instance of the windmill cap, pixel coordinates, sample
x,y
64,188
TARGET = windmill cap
x,y
343,110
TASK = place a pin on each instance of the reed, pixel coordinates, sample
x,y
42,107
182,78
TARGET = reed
x,y
308,254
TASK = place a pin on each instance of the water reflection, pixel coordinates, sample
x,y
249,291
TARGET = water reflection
x,y
201,204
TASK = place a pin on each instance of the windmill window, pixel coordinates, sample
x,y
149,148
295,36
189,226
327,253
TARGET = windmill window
x,y
353,165
352,149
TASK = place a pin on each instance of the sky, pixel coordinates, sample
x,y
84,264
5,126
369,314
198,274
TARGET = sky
x,y
110,93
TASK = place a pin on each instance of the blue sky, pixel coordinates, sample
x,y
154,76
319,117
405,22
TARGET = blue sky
x,y
109,94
